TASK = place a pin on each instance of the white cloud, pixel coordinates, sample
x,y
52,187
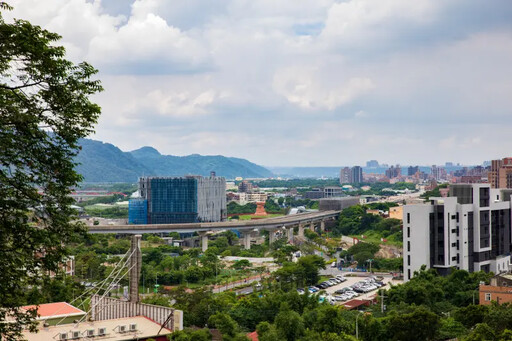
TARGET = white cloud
x,y
388,79
307,89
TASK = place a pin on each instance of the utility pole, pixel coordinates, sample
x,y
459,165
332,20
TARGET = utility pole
x,y
382,301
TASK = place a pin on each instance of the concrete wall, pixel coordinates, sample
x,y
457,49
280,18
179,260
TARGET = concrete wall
x,y
416,232
211,199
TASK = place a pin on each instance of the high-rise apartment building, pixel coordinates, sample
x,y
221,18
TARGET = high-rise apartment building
x,y
500,175
169,200
470,230
245,187
345,175
412,170
438,173
357,174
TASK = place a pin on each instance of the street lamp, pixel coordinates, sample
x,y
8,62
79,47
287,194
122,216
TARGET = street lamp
x,y
370,261
357,327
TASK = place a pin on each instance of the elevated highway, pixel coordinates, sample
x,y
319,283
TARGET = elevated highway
x,y
284,224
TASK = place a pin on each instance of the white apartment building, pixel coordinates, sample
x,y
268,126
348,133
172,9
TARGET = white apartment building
x,y
470,230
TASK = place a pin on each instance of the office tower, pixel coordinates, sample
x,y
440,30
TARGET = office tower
x,y
169,200
468,230
500,175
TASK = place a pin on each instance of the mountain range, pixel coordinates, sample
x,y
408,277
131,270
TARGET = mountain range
x,y
104,162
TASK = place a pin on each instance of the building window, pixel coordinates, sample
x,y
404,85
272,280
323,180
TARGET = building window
x,y
408,246
408,232
408,218
409,274
409,260
487,296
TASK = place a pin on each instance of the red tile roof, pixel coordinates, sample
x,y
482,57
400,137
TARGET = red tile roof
x,y
353,304
253,336
54,309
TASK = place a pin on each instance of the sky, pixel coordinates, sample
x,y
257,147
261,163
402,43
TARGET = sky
x,y
296,82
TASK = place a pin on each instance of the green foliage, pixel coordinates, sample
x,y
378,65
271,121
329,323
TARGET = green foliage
x,y
304,272
234,208
272,207
115,212
224,323
289,324
191,335
241,264
417,325
44,111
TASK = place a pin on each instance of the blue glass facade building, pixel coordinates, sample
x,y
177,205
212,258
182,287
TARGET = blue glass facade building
x,y
179,200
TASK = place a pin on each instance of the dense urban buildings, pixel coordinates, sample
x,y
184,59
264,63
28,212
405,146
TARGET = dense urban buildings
x,y
352,175
394,172
168,200
468,230
500,175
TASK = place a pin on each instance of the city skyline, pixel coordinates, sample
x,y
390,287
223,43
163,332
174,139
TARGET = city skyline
x,y
243,79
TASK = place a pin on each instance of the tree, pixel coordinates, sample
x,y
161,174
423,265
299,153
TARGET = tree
x,y
289,325
421,324
44,111
224,323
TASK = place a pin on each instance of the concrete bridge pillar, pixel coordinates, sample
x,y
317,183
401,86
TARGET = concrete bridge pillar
x,y
271,237
135,268
246,239
312,227
289,234
322,225
204,241
301,230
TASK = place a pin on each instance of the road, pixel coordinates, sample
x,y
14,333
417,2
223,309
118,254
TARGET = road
x,y
269,223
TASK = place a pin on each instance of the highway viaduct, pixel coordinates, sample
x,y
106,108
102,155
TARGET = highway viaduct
x,y
284,224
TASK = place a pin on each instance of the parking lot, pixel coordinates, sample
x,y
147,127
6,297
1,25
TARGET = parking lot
x,y
361,282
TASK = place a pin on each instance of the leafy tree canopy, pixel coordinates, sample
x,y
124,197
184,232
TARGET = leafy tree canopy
x,y
44,110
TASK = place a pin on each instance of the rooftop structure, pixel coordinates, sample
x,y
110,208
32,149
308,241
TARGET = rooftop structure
x,y
52,313
129,328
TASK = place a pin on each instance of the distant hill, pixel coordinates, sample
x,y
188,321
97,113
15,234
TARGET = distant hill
x,y
104,162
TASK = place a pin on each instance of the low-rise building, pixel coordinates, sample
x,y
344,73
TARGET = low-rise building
x,y
337,204
396,212
499,290
333,192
